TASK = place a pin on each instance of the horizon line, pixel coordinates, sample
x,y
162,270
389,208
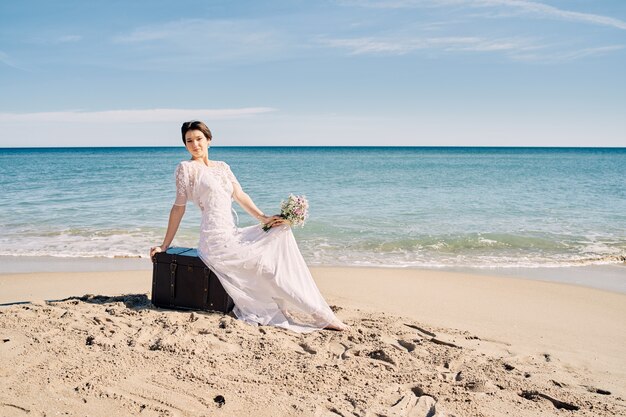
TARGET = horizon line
x,y
313,146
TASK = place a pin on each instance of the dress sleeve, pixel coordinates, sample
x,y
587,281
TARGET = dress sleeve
x,y
182,183
230,175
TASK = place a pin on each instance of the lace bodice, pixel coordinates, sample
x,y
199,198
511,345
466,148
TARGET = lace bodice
x,y
210,188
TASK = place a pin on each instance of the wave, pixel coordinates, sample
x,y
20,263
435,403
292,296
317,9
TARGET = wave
x,y
324,247
315,257
484,262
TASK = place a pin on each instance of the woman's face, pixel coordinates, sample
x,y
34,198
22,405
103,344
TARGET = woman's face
x,y
196,143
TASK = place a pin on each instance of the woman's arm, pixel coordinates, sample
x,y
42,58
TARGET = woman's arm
x,y
248,205
176,215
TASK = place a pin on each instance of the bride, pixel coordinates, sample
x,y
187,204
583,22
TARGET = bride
x,y
263,272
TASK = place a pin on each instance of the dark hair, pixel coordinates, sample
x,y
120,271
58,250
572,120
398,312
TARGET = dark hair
x,y
195,125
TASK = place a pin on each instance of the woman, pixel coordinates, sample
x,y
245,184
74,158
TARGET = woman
x,y
263,272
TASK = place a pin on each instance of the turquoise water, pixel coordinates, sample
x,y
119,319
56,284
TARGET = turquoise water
x,y
423,207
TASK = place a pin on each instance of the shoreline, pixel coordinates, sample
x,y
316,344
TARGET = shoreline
x,y
608,277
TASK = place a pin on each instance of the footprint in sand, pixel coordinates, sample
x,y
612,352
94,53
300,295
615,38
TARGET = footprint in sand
x,y
381,355
155,397
337,349
597,390
349,352
508,367
307,348
558,384
421,329
481,386
409,346
560,405
412,403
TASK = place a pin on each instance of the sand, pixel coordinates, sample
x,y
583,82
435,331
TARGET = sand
x,y
422,343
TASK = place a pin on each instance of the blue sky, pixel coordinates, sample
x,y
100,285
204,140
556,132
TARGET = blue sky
x,y
328,72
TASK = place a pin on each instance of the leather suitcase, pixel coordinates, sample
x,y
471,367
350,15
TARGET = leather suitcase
x,y
180,280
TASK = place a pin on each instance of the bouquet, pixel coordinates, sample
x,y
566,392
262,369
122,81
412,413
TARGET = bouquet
x,y
295,210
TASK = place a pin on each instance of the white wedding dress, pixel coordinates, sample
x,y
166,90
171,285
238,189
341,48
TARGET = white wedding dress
x,y
263,272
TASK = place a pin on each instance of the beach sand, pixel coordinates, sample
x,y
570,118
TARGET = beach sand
x,y
422,343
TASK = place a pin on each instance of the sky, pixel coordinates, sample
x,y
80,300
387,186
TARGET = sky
x,y
314,73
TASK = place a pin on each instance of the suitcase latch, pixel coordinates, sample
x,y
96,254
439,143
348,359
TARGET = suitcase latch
x,y
173,280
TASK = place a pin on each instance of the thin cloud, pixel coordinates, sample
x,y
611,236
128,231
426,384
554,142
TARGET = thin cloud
x,y
547,11
145,35
200,32
540,10
134,116
198,43
359,46
52,39
68,38
402,46
478,44
567,56
520,45
516,49
5,59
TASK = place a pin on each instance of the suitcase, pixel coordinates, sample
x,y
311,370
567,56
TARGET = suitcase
x,y
180,280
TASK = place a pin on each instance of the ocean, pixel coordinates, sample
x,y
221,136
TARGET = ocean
x,y
369,206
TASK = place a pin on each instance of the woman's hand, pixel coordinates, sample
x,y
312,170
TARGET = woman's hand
x,y
156,249
272,221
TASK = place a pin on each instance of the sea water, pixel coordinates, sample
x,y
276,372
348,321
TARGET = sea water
x,y
369,206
